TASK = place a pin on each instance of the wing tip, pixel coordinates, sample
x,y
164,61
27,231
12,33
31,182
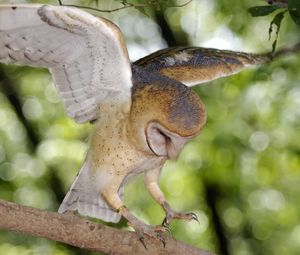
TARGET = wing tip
x,y
91,210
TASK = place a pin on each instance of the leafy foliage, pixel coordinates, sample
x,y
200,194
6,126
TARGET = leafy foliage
x,y
292,6
294,10
258,11
277,22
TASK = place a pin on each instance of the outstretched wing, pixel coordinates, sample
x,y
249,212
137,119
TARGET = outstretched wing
x,y
195,65
86,55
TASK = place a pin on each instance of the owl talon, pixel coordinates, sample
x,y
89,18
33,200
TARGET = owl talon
x,y
171,215
161,238
142,240
195,217
166,222
152,231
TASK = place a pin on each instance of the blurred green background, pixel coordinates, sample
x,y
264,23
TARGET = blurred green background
x,y
241,175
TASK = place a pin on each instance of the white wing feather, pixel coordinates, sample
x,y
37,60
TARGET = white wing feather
x,y
85,55
84,197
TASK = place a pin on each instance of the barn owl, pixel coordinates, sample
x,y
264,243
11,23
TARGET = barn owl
x,y
144,112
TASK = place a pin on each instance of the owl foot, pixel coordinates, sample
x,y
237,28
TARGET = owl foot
x,y
172,215
153,231
143,229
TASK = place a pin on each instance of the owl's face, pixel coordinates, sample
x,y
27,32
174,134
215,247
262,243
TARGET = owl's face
x,y
165,114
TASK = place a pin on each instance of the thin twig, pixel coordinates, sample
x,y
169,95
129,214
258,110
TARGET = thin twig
x,y
125,6
182,5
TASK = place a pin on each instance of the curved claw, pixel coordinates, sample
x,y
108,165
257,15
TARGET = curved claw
x,y
162,239
195,217
142,240
166,222
171,215
155,232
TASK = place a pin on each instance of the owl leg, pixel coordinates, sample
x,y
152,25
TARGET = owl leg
x,y
112,198
151,182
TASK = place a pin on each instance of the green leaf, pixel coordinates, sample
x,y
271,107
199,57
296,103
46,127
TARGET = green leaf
x,y
262,10
294,10
277,22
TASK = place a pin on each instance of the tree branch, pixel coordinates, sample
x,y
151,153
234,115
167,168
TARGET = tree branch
x,y
287,50
80,232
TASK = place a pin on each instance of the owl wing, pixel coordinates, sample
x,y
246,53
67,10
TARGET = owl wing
x,y
86,55
195,65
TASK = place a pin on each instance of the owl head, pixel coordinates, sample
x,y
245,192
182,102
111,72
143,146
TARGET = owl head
x,y
170,113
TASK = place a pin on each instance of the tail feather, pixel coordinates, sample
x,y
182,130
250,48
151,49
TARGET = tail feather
x,y
85,198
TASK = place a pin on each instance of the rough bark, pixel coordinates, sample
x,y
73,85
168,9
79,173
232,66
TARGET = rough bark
x,y
80,232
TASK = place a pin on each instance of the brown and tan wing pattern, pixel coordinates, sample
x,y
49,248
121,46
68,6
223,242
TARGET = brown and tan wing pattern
x,y
195,65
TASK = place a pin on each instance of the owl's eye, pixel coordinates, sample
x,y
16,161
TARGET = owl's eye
x,y
163,142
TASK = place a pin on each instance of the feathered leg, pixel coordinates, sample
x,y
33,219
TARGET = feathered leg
x,y
110,195
151,182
